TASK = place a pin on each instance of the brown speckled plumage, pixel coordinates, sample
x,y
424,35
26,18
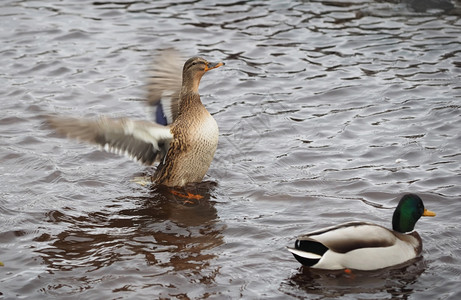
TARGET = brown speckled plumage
x,y
185,148
195,132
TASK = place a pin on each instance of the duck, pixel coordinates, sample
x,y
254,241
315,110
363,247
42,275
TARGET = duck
x,y
365,246
183,146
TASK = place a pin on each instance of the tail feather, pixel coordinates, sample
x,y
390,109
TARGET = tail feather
x,y
308,252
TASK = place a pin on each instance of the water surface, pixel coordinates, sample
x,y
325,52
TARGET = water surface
x,y
328,112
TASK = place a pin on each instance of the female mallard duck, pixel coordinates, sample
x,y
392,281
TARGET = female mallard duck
x,y
185,148
365,246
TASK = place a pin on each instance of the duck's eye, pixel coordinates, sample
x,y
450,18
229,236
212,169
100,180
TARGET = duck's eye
x,y
196,63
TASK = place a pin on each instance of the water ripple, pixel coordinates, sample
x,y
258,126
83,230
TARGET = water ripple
x,y
328,111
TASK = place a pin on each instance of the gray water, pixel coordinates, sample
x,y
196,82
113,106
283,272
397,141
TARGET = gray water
x,y
328,111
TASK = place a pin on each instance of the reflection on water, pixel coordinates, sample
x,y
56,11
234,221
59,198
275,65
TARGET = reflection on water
x,y
163,231
396,282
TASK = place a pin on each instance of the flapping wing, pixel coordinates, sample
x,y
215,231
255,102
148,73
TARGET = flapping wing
x,y
164,85
141,141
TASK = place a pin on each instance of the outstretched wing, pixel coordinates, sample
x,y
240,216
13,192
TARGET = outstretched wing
x,y
141,141
164,85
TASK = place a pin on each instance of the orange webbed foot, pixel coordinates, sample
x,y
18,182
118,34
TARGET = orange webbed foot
x,y
189,198
349,273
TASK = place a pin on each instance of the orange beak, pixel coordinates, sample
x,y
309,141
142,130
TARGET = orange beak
x,y
211,66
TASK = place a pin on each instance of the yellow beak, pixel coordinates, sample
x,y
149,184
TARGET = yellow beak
x,y
428,213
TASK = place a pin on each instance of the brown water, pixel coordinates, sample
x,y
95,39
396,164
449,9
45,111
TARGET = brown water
x,y
328,111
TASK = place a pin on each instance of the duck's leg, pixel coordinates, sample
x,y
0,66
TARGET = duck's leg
x,y
349,273
189,198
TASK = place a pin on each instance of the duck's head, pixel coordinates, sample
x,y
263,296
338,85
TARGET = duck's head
x,y
193,70
408,212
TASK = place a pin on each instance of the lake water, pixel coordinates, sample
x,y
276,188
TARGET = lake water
x,y
328,111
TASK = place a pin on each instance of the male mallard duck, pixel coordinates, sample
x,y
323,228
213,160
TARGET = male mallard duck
x,y
185,147
365,246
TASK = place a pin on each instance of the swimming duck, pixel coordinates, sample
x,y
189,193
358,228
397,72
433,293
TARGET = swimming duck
x,y
362,245
184,148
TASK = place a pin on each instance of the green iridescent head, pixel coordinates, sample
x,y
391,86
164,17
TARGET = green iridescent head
x,y
408,212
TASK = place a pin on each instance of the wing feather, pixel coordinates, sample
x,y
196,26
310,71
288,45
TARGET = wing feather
x,y
164,85
141,141
354,235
